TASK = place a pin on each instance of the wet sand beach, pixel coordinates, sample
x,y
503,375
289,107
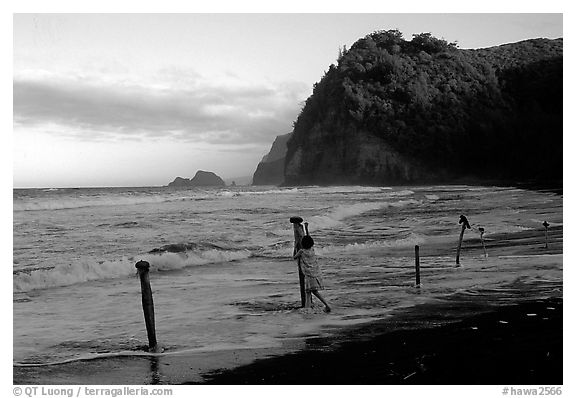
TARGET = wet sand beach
x,y
519,344
440,343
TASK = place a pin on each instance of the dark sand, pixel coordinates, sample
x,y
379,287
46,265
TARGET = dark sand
x,y
502,346
441,343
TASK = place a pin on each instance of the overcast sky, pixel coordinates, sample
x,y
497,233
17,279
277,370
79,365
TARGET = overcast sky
x,y
138,99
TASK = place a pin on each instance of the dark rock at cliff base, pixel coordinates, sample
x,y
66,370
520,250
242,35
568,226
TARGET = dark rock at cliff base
x,y
395,111
270,170
201,179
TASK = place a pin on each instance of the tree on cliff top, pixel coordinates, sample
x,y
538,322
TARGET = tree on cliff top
x,y
450,108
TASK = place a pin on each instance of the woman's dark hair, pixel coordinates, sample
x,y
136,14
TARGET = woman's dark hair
x,y
307,242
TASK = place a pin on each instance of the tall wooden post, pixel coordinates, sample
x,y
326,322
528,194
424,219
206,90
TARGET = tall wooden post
x,y
298,235
464,221
417,264
147,304
546,225
482,240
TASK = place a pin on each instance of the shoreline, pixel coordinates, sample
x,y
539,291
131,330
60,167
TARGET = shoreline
x,y
452,341
513,344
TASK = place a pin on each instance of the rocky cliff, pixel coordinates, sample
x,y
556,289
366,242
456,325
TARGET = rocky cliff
x,y
270,170
395,111
201,179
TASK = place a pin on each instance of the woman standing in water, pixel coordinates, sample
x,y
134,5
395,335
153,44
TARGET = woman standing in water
x,y
312,273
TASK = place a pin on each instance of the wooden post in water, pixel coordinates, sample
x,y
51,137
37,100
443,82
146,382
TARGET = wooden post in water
x,y
482,240
147,304
464,221
417,264
546,225
306,228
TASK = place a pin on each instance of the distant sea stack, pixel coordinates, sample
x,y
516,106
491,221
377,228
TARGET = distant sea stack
x,y
201,179
270,170
394,111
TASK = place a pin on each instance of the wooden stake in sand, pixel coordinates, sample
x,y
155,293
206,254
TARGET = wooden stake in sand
x,y
546,225
464,221
482,240
147,304
417,264
298,235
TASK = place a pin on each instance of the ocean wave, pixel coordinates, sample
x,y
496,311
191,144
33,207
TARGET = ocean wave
x,y
551,224
283,250
228,194
81,201
335,217
405,192
506,229
348,189
408,241
84,271
231,194
478,189
270,192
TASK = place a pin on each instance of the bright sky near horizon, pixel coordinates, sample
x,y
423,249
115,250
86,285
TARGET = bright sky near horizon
x,y
138,99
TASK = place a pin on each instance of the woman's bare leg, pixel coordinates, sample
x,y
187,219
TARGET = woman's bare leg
x,y
308,300
317,294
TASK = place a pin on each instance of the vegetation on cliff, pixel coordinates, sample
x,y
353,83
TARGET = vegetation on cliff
x,y
489,113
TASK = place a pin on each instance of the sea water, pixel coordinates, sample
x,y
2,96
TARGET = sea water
x,y
221,268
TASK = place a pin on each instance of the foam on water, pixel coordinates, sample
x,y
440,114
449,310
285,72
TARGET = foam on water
x,y
409,241
538,223
506,229
351,189
335,217
271,192
227,194
62,203
60,200
269,343
69,274
405,192
88,270
231,194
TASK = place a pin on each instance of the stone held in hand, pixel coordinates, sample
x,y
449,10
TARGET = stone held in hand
x,y
464,220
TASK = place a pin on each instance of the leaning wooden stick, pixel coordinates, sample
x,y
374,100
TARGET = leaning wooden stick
x,y
298,235
482,240
546,225
147,304
417,264
464,221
